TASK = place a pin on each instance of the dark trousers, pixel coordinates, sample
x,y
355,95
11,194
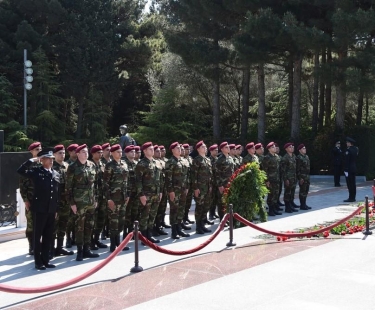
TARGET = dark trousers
x,y
43,234
336,174
350,183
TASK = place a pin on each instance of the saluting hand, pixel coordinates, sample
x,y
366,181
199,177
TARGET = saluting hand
x,y
111,205
143,200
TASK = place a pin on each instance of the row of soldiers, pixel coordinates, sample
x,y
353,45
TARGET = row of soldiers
x,y
116,187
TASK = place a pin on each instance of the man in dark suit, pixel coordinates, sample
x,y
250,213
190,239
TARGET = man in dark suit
x,y
350,168
337,163
43,205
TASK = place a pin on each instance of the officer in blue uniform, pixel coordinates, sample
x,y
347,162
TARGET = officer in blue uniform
x,y
350,168
43,205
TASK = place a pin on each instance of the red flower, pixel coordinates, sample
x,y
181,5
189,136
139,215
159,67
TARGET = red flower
x,y
343,233
278,238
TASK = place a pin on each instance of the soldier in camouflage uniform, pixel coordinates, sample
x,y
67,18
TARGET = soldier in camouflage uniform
x,y
63,210
189,195
158,229
26,190
201,174
175,182
81,189
281,179
163,203
115,179
288,172
303,176
131,214
214,150
147,181
232,153
70,229
238,154
183,198
224,168
101,211
250,156
259,152
271,166
106,157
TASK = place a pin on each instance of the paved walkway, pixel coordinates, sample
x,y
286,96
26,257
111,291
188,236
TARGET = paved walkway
x,y
260,273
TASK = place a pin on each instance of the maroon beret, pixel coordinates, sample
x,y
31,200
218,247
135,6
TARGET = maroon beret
x,y
232,146
173,145
95,148
213,147
156,147
238,146
137,148
258,146
271,144
161,147
186,145
286,145
33,145
223,144
199,144
58,147
250,145
80,147
72,147
106,145
115,147
129,148
301,146
146,145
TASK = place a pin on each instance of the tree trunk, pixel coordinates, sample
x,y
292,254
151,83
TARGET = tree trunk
x,y
261,104
216,106
367,110
290,88
296,107
315,94
360,100
341,96
321,94
245,103
80,118
328,105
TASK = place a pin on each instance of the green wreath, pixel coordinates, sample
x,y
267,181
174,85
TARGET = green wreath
x,y
246,190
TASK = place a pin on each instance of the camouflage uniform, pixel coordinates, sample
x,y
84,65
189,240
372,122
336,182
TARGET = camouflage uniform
x,y
115,180
260,160
303,173
162,204
147,181
189,195
240,160
271,166
101,211
224,168
214,195
249,159
131,213
175,181
70,227
288,172
201,175
81,188
26,191
236,162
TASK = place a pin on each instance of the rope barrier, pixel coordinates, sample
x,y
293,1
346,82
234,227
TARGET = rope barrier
x,y
199,247
54,287
297,235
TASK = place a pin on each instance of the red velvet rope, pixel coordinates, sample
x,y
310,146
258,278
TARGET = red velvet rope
x,y
296,235
199,247
27,290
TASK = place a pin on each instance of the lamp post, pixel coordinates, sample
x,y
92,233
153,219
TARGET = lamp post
x,y
27,79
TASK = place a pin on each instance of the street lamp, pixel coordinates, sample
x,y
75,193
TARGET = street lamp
x,y
27,80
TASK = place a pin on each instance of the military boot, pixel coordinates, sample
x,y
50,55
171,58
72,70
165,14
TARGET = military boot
x,y
183,226
294,205
73,237
275,209
112,247
117,240
288,207
174,232
206,221
30,240
93,246
87,252
68,243
79,253
163,224
204,227
198,228
303,203
270,211
99,244
181,232
280,203
150,237
59,248
186,218
155,231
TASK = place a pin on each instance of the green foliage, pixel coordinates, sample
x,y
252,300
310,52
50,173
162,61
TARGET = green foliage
x,y
246,192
